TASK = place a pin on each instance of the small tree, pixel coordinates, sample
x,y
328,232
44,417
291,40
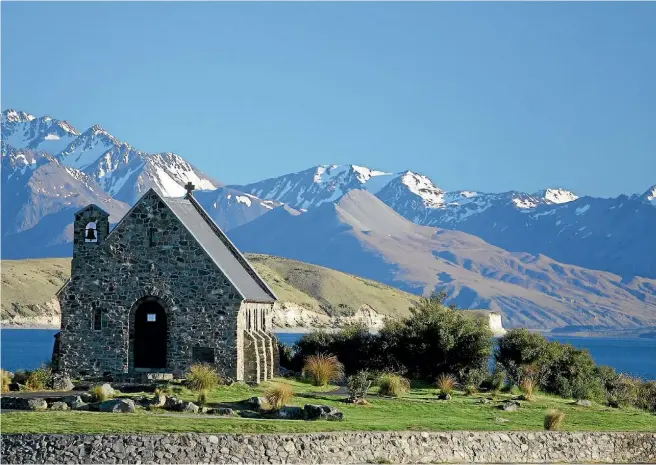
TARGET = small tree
x,y
358,385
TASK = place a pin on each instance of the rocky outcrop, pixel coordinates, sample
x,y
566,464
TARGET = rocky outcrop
x,y
344,447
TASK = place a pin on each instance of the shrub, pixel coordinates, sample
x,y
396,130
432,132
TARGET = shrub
x,y
20,376
436,339
38,379
527,386
473,377
287,353
496,381
355,346
553,420
358,385
470,389
519,348
646,398
279,395
446,383
571,372
202,376
322,369
622,390
6,380
393,385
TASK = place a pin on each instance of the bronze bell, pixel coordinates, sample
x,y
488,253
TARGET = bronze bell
x,y
91,234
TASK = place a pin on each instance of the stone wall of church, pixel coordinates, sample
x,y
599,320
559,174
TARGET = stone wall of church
x,y
148,254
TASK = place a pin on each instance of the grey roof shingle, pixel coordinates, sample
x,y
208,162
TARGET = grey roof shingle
x,y
217,245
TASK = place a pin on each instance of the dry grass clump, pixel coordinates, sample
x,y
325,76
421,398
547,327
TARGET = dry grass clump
x,y
393,385
6,380
279,395
100,394
470,390
323,369
553,420
446,383
527,386
202,377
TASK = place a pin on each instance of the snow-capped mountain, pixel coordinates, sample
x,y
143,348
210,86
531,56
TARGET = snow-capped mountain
x,y
231,208
317,185
361,235
22,130
39,197
122,171
649,196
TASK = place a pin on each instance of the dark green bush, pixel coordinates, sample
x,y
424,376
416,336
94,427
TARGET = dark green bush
x,y
437,339
519,348
287,356
622,390
571,372
358,385
646,398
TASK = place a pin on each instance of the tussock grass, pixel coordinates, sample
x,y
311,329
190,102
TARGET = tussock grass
x,y
527,386
202,377
393,385
279,395
446,383
6,380
323,369
99,394
553,419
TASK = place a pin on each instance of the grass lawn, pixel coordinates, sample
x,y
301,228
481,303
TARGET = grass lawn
x,y
419,410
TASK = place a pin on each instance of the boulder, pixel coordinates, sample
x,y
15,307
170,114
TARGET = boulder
x,y
482,401
158,401
36,404
288,413
117,406
259,404
59,406
221,411
510,406
61,382
321,412
73,402
249,414
189,407
584,403
173,403
108,390
444,396
86,397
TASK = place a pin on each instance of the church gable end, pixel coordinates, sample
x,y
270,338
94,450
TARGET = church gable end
x,y
150,267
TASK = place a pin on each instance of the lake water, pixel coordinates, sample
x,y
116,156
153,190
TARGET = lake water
x,y
28,348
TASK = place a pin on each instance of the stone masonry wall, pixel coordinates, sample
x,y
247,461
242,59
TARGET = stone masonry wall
x,y
349,447
148,254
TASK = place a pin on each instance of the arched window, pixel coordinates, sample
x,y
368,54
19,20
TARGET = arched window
x,y
97,319
90,233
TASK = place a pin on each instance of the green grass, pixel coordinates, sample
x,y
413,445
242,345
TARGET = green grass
x,y
419,410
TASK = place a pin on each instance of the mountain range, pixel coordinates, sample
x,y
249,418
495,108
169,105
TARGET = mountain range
x,y
545,259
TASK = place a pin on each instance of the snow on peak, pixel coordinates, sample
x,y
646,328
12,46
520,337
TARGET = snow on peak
x,y
650,195
556,195
364,174
422,186
16,116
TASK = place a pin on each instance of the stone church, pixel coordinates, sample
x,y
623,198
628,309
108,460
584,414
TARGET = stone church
x,y
164,290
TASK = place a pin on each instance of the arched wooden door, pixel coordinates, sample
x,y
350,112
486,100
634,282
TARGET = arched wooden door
x,y
150,335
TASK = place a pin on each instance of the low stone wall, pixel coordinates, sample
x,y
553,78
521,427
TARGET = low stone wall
x,y
351,447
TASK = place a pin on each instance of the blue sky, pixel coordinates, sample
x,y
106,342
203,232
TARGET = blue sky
x,y
482,96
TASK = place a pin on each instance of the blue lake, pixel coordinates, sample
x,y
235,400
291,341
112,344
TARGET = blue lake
x,y
28,348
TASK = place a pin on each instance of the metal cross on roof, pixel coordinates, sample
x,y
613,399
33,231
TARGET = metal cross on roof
x,y
190,188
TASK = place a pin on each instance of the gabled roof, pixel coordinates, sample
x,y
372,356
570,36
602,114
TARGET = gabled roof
x,y
90,207
220,249
216,244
